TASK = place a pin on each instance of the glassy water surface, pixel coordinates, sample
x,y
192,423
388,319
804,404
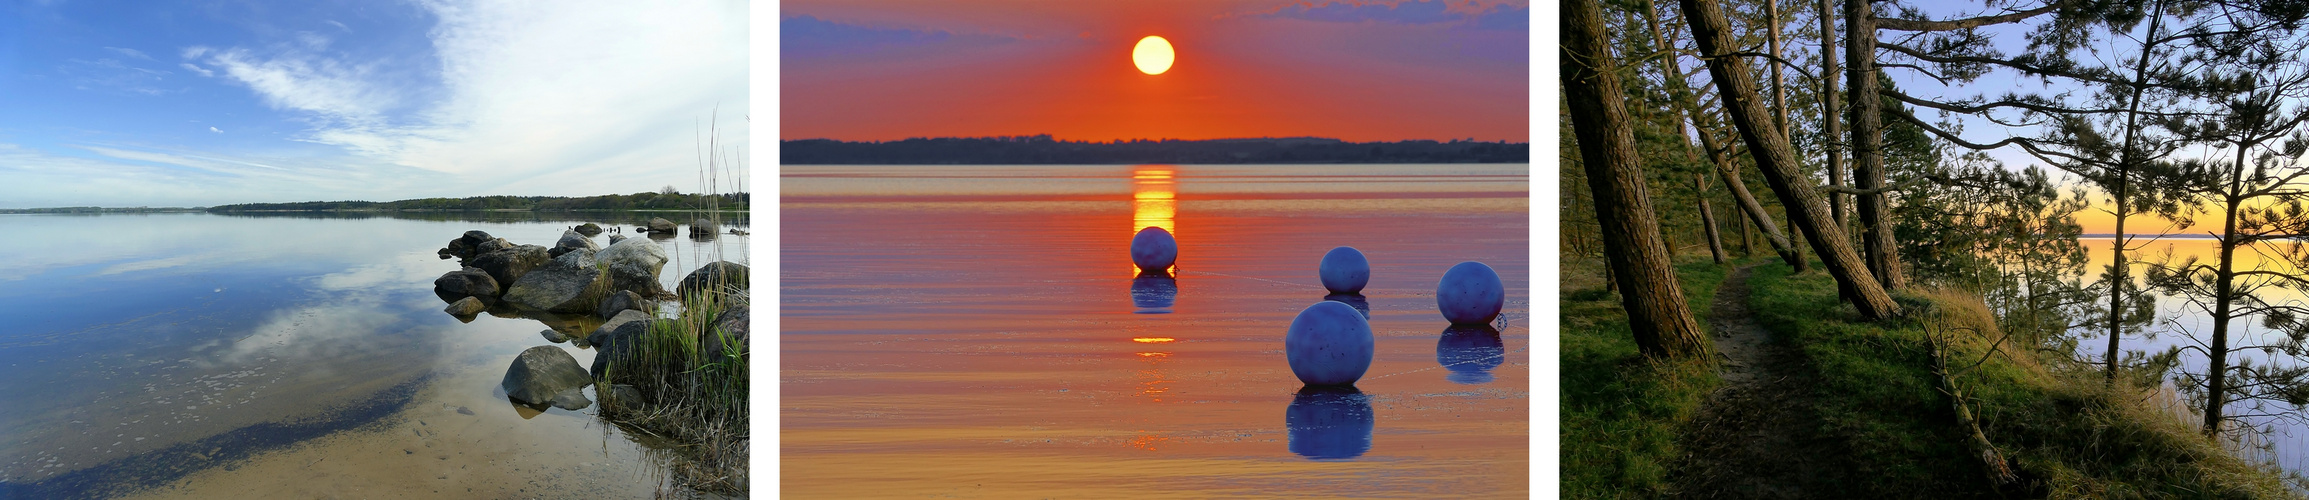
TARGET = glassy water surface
x,y
265,357
980,331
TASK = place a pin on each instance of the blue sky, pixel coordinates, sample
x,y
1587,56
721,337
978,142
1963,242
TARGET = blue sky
x,y
116,103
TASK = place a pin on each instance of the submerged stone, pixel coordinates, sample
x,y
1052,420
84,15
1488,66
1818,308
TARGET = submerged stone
x,y
466,307
660,226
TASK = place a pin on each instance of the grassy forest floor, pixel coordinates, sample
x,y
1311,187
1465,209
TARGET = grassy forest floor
x,y
1811,401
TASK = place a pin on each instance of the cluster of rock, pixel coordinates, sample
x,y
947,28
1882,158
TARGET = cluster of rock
x,y
618,283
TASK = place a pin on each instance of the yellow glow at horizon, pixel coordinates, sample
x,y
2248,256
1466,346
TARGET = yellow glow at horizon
x,y
1152,340
1153,55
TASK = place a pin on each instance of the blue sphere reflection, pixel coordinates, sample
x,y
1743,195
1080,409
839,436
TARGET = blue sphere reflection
x,y
1470,352
1153,292
1329,422
1355,300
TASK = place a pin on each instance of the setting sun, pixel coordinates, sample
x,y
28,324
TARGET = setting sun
x,y
1153,55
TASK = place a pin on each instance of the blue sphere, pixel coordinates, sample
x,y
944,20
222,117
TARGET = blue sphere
x,y
1470,294
1329,344
1344,270
1153,249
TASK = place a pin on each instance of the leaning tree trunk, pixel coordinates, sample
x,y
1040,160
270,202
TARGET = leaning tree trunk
x,y
1704,126
2119,272
1661,320
1868,145
1708,218
1778,160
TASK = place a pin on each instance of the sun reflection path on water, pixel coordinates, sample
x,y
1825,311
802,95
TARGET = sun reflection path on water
x,y
1154,203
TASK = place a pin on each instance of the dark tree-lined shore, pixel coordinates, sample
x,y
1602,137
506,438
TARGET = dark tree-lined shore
x,y
638,201
1044,150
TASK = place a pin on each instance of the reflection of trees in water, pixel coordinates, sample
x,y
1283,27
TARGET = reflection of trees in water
x,y
728,218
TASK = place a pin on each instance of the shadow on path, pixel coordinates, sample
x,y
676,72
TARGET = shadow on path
x,y
1756,436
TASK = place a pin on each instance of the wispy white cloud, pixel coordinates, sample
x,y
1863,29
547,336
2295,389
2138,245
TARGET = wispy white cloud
x,y
213,129
337,90
130,53
196,69
533,97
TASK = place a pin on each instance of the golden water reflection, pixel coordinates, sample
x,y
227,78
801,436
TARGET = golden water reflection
x,y
1154,203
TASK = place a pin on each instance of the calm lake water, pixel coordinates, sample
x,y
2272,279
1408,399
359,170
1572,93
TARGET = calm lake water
x,y
2288,437
197,355
977,332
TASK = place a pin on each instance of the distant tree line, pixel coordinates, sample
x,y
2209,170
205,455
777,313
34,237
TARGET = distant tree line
x,y
637,201
1042,149
99,210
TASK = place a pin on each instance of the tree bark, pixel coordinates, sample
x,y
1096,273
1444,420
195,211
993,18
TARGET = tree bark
x,y
1708,218
1778,160
1830,116
1704,126
1661,320
1868,145
2119,271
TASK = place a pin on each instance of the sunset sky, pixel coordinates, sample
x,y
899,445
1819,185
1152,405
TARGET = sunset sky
x,y
1359,71
120,103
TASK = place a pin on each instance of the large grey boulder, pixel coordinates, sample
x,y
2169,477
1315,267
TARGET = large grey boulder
x,y
507,266
716,277
614,238
621,301
493,245
466,246
569,283
571,241
729,334
660,226
588,229
547,375
620,346
633,264
464,283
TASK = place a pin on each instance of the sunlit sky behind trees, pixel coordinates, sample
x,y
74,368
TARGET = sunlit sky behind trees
x,y
117,103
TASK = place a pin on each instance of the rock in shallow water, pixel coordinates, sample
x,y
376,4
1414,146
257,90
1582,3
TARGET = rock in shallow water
x,y
507,266
463,283
546,375
659,226
620,346
588,229
554,336
1329,344
466,308
566,284
717,276
571,241
633,264
621,301
1344,270
1470,293
1153,249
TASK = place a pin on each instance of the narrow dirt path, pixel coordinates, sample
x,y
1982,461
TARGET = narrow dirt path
x,y
1756,436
